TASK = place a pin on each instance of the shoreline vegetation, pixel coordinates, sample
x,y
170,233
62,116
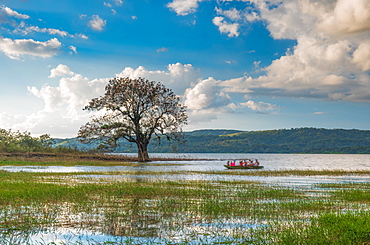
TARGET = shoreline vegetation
x,y
82,157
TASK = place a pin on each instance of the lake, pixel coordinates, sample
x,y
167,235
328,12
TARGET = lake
x,y
215,162
269,161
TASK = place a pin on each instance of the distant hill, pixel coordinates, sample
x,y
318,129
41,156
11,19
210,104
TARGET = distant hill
x,y
297,140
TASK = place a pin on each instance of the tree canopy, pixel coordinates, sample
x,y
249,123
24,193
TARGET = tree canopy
x,y
136,110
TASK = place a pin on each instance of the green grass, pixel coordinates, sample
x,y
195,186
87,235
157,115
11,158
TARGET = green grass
x,y
327,228
192,210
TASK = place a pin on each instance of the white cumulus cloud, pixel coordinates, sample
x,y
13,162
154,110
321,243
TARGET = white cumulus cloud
x,y
204,95
288,20
6,11
61,70
361,56
347,17
224,27
96,23
14,49
184,7
71,94
232,14
25,29
330,59
260,106
63,103
178,76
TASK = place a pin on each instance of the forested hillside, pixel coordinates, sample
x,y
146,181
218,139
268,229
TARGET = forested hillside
x,y
298,140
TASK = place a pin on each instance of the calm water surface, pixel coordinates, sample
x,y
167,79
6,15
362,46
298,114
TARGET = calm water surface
x,y
269,161
215,162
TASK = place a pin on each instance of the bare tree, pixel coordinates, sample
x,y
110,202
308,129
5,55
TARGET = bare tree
x,y
137,110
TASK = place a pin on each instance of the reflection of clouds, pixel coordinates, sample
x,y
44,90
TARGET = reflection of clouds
x,y
72,236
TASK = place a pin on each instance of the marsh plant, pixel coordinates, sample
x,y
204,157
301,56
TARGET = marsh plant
x,y
51,208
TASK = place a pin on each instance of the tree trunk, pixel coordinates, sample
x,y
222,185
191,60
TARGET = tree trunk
x,y
142,151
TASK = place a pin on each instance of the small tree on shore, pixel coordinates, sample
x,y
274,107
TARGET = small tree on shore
x,y
137,110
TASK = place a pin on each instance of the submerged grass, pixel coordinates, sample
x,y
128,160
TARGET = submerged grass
x,y
182,211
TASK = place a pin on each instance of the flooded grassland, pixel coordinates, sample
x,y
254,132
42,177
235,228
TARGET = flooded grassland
x,y
124,208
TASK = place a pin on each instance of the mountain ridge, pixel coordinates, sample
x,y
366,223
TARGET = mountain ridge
x,y
294,140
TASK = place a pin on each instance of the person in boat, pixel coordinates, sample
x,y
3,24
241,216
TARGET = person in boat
x,y
257,163
250,163
228,163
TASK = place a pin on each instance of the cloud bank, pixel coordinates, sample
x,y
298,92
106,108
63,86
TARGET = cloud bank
x,y
14,49
330,60
205,98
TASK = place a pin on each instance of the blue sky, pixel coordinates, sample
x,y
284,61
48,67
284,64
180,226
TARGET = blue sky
x,y
236,64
